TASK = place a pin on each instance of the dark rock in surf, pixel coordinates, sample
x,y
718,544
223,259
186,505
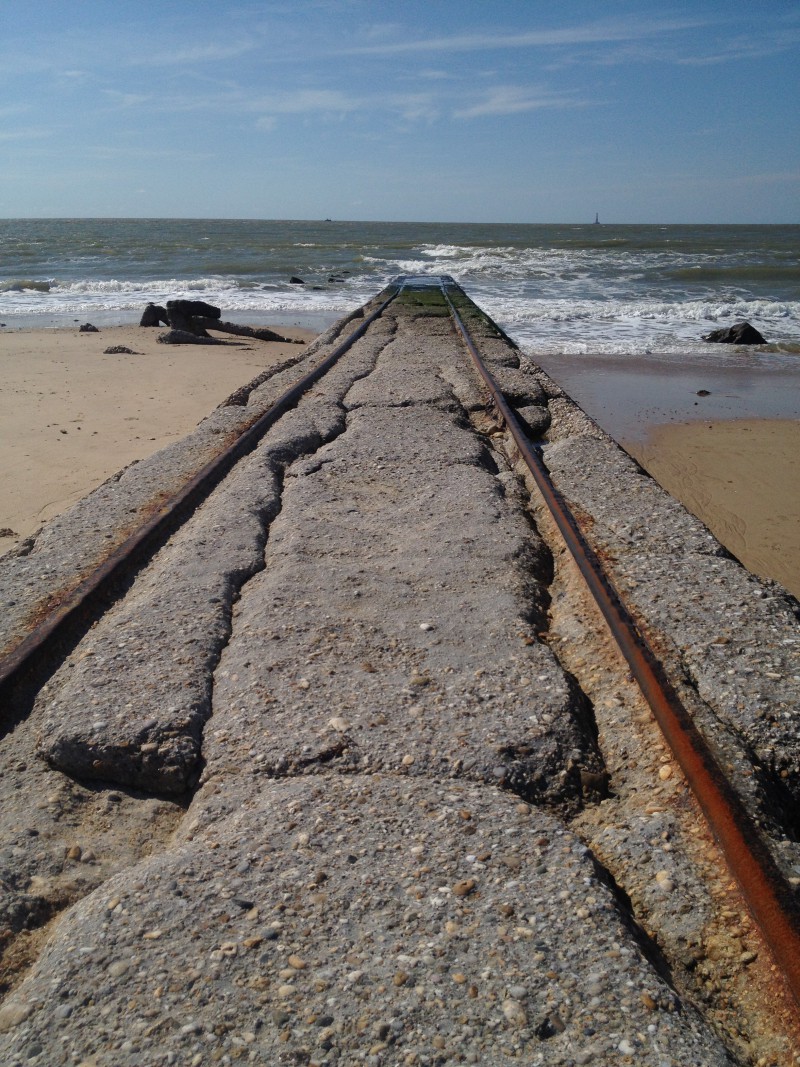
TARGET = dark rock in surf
x,y
193,307
154,315
294,280
186,314
741,333
88,328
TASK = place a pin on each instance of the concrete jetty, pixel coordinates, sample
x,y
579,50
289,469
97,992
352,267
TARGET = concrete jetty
x,y
351,773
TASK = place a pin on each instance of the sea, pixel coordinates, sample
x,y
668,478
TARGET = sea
x,y
592,288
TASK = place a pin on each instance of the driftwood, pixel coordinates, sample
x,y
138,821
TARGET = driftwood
x,y
247,331
191,319
186,337
188,315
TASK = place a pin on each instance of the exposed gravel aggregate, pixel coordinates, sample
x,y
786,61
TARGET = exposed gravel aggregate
x,y
355,920
734,637
405,772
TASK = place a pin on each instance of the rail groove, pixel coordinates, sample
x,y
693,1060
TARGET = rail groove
x,y
763,887
80,600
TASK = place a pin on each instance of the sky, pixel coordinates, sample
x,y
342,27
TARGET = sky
x,y
407,110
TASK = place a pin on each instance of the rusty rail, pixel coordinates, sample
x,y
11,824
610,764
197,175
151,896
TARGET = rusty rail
x,y
165,519
763,887
766,893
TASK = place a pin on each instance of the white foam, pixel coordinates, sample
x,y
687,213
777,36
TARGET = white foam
x,y
595,298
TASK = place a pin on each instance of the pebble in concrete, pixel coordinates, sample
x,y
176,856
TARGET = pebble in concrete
x,y
360,919
387,635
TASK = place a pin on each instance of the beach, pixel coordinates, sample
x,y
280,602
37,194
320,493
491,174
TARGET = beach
x,y
72,416
742,478
719,431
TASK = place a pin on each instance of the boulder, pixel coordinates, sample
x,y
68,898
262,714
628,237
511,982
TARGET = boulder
x,y
186,315
88,328
193,307
154,315
294,280
741,333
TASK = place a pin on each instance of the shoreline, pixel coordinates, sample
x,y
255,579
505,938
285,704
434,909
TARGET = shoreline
x,y
721,434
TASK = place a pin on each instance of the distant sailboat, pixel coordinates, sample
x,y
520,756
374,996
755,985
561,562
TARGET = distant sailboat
x,y
597,220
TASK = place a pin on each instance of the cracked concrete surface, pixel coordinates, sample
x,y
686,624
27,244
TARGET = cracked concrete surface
x,y
348,672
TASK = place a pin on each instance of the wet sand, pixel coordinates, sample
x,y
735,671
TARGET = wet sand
x,y
71,416
721,434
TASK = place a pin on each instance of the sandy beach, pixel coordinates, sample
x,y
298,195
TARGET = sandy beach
x,y
721,433
742,478
71,416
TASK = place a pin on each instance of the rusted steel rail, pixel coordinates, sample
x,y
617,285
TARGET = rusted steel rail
x,y
763,887
767,895
80,600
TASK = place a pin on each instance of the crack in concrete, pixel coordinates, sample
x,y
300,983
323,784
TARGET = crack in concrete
x,y
142,727
158,759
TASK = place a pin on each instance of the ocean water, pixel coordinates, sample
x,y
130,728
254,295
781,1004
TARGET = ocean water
x,y
594,289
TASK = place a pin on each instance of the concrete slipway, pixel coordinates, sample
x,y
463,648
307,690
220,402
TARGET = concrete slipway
x,y
349,772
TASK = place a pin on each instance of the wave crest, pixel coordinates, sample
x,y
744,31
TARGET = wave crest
x,y
22,285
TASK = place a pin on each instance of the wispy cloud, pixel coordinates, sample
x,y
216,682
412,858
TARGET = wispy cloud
x,y
513,100
758,46
592,33
11,111
414,107
34,133
305,101
125,100
200,53
408,107
138,153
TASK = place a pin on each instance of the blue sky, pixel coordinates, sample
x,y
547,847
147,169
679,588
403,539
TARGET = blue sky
x,y
449,110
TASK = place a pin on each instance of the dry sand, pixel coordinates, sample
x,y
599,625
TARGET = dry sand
x,y
71,416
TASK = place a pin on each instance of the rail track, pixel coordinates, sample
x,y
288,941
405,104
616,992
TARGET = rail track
x,y
80,600
768,895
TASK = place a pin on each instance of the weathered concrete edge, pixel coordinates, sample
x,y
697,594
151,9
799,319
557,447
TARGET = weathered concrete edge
x,y
47,566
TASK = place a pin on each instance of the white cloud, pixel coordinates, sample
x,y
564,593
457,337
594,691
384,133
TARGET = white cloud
x,y
127,99
593,33
743,48
514,100
413,107
34,133
200,53
306,101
